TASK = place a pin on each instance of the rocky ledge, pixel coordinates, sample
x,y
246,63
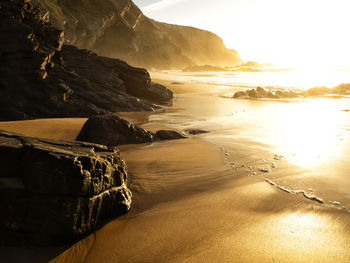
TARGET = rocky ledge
x,y
41,77
57,191
112,130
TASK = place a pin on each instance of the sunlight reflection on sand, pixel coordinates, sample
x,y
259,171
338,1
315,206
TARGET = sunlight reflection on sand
x,y
309,132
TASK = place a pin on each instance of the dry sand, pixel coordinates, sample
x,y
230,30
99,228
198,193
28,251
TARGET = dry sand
x,y
63,129
190,205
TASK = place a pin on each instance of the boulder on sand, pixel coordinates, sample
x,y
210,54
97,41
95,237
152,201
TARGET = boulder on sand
x,y
112,130
168,135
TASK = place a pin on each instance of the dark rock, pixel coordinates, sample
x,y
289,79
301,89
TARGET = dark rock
x,y
112,130
195,132
272,95
253,93
169,135
342,89
41,77
108,75
280,94
154,92
261,91
119,29
239,94
57,191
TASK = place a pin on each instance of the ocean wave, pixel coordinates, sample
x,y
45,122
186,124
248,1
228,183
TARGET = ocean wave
x,y
271,93
249,66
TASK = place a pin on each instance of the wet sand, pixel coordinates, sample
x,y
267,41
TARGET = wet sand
x,y
190,206
194,201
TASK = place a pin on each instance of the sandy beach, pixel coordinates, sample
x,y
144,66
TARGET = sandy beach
x,y
205,199
208,131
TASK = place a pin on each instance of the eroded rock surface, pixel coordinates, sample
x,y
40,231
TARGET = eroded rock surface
x,y
41,77
112,130
57,191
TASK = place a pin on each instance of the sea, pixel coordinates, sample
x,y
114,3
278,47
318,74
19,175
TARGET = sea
x,y
310,134
270,78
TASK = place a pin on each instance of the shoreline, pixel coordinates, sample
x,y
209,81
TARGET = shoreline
x,y
192,204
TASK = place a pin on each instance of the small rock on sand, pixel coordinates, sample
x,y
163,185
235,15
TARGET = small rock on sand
x,y
264,169
196,131
277,157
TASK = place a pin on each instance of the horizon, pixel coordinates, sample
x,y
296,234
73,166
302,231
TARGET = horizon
x,y
292,33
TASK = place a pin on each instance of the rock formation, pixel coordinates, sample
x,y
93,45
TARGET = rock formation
x,y
118,28
57,191
168,135
273,93
112,130
41,77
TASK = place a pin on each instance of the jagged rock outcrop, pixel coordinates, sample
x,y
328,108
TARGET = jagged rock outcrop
x,y
112,130
118,28
57,191
41,77
273,93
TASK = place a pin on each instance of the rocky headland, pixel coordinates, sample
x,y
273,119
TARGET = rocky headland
x,y
119,29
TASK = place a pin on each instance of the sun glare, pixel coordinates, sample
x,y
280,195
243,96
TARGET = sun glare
x,y
309,133
312,34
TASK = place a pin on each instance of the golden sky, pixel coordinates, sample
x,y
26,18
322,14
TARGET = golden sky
x,y
309,33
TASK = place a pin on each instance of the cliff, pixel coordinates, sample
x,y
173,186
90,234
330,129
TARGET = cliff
x,y
42,77
119,29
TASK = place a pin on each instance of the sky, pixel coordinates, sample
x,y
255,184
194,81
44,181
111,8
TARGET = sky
x,y
310,33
